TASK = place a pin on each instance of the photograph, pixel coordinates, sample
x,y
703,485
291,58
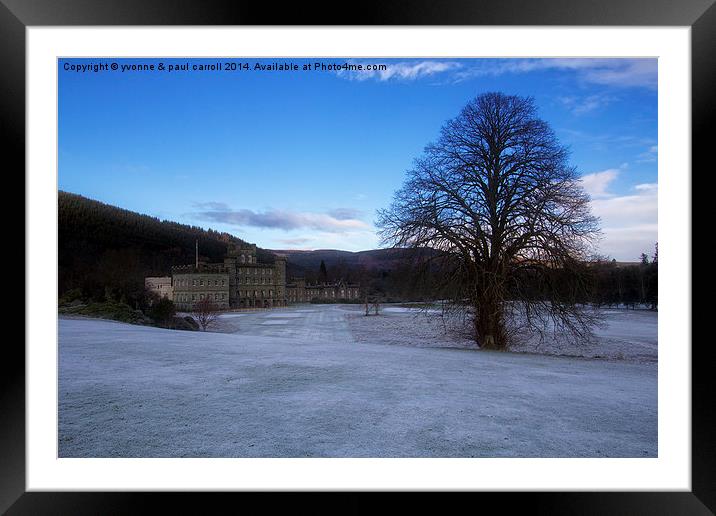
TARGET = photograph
x,y
327,257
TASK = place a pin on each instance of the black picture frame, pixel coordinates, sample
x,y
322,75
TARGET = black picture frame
x,y
16,15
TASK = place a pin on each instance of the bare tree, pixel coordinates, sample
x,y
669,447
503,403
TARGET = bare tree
x,y
496,196
206,313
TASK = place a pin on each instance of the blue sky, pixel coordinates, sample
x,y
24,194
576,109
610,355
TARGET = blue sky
x,y
303,159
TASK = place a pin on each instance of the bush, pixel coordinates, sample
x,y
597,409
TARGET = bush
x,y
108,310
71,296
184,323
162,311
192,322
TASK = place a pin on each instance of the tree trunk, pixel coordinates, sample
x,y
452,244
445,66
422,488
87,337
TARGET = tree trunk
x,y
489,322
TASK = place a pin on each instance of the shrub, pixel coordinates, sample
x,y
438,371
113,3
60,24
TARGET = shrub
x,y
162,311
107,310
70,296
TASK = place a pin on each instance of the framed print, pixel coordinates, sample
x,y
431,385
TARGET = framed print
x,y
413,250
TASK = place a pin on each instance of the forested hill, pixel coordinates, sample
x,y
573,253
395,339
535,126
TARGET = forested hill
x,y
104,246
346,264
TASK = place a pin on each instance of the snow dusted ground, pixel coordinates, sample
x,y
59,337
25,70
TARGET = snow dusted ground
x,y
307,382
625,335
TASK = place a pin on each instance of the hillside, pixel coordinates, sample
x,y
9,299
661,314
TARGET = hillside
x,y
105,246
106,252
345,261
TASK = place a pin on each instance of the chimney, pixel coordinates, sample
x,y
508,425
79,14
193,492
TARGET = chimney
x,y
197,254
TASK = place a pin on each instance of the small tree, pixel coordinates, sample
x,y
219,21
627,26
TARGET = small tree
x,y
206,313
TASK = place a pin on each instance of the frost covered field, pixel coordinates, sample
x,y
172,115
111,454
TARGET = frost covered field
x,y
324,381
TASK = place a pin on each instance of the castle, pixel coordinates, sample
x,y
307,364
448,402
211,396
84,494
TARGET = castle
x,y
241,282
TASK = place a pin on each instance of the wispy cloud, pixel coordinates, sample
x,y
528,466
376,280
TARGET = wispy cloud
x,y
617,72
605,142
294,241
336,222
648,156
346,213
609,72
582,105
401,71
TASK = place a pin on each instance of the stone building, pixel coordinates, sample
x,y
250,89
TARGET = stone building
x,y
254,284
194,283
162,286
299,292
239,282
243,282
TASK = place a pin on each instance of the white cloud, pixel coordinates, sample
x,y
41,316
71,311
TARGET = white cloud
x,y
629,222
596,184
629,72
646,186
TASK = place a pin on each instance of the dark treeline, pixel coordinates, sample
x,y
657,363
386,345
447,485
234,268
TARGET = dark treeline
x,y
105,252
421,277
602,282
393,275
628,285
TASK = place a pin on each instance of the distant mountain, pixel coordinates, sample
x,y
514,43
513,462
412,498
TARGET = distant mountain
x,y
371,260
